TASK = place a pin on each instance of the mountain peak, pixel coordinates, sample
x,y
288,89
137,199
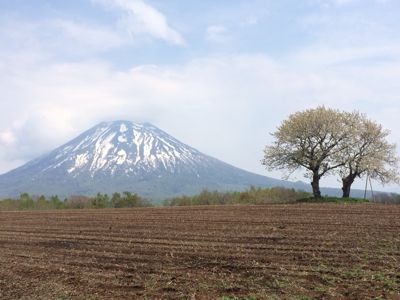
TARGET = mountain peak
x,y
122,147
125,123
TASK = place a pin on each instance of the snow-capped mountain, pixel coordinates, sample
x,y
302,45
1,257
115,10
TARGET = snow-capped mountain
x,y
124,156
122,148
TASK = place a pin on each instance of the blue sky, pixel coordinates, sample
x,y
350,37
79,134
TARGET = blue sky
x,y
219,75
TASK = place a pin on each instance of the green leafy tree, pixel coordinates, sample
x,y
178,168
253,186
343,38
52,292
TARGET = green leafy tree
x,y
116,200
42,203
130,199
100,201
26,201
56,203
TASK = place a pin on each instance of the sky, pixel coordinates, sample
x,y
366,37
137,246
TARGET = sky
x,y
218,75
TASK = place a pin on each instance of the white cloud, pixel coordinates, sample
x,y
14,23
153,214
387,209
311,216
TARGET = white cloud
x,y
341,2
7,138
217,34
83,36
140,18
251,21
47,37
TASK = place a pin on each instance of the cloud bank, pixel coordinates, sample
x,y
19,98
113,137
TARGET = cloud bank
x,y
139,18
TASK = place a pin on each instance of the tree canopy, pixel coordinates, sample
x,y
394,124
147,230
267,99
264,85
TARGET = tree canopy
x,y
368,152
325,141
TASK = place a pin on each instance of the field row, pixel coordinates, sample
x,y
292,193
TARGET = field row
x,y
275,251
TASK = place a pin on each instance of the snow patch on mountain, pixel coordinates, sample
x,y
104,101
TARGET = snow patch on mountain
x,y
121,157
123,128
80,160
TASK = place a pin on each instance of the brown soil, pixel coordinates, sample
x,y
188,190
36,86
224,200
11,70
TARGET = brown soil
x,y
318,251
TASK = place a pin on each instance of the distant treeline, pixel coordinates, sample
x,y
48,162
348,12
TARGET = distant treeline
x,y
269,196
250,196
127,199
117,200
387,198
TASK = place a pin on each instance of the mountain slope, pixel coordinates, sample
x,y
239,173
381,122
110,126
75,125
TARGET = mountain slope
x,y
124,156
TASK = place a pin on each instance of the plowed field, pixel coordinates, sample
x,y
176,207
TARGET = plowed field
x,y
302,251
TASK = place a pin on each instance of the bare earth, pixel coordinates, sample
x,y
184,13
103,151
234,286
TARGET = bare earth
x,y
303,251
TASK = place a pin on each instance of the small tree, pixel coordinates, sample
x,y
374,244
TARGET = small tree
x,y
368,152
77,202
42,203
26,201
116,200
100,201
309,140
55,202
130,200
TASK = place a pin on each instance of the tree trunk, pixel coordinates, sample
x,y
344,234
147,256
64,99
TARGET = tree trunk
x,y
347,182
315,186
